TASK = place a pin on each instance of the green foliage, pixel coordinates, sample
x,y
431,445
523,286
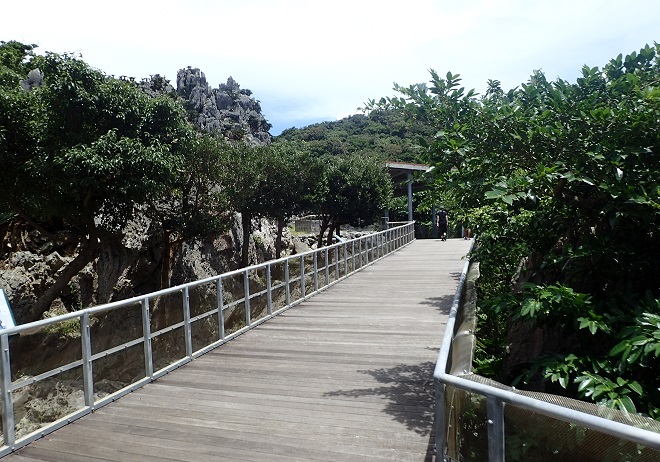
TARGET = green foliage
x,y
85,143
559,181
550,305
353,190
386,135
614,354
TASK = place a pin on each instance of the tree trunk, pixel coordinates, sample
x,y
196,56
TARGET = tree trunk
x,y
246,221
88,251
169,252
278,239
334,226
325,222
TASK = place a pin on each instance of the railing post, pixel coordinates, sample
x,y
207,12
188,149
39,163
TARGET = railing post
x,y
246,286
353,256
221,309
495,416
344,248
269,290
327,267
390,244
360,252
287,283
8,430
302,277
187,330
146,331
366,251
337,263
88,377
316,271
440,420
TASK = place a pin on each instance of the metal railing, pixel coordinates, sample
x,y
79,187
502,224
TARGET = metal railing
x,y
143,338
471,411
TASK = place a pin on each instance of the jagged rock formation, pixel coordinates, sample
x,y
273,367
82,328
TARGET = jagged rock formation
x,y
227,110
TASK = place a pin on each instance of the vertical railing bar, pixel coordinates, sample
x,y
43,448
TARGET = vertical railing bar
x,y
302,277
440,420
360,252
316,271
221,309
390,246
187,329
88,377
246,286
287,283
269,290
353,255
337,263
327,267
495,415
146,332
8,430
366,251
345,249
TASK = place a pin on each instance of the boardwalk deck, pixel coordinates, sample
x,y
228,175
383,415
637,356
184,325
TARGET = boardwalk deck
x,y
344,376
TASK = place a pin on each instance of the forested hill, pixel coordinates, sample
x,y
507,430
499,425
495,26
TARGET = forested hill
x,y
384,133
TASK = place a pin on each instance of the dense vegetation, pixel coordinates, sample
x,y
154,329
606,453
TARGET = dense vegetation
x,y
384,134
84,153
560,181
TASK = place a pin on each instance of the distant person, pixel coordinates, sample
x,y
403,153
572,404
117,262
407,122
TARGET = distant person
x,y
442,221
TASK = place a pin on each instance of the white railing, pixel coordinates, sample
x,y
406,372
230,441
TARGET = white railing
x,y
467,403
161,331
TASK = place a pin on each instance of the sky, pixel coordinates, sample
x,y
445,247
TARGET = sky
x,y
312,61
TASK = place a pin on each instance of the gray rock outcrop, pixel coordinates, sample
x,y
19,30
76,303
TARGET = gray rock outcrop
x,y
227,110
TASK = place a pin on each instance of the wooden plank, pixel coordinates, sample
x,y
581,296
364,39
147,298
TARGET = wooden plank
x,y
344,376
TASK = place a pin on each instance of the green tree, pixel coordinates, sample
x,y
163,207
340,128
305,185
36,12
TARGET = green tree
x,y
95,149
355,190
195,205
247,170
291,179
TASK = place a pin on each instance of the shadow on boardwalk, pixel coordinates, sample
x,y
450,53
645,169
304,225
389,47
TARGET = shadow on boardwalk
x,y
409,393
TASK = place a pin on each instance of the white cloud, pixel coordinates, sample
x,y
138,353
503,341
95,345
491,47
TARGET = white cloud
x,y
314,60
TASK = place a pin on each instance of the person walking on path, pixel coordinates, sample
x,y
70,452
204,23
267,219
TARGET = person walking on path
x,y
442,221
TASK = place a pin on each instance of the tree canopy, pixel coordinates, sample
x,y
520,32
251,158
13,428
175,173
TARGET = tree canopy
x,y
354,190
83,148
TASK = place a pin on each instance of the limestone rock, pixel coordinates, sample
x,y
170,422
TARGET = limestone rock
x,y
227,110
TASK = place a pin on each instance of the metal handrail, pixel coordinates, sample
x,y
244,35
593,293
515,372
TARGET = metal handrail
x,y
498,397
341,259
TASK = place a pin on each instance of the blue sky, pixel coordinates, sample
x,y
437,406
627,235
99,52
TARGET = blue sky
x,y
310,61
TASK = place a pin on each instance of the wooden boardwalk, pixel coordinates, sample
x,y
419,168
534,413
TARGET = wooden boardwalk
x,y
344,376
